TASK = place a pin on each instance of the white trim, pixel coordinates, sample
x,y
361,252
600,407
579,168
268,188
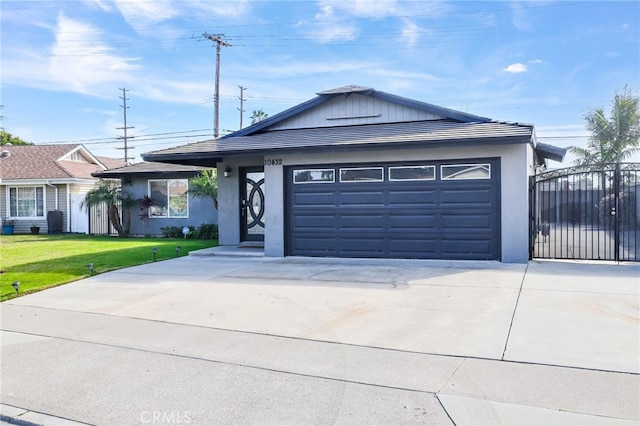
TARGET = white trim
x,y
422,166
31,182
89,156
8,203
362,168
459,175
333,177
168,216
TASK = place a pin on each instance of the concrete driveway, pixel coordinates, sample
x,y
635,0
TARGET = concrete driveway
x,y
252,340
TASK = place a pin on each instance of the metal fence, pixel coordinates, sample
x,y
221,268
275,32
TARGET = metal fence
x,y
586,212
99,220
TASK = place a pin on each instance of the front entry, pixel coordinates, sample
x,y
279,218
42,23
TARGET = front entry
x,y
252,204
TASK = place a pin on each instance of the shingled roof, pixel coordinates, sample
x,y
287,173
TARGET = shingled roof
x,y
37,162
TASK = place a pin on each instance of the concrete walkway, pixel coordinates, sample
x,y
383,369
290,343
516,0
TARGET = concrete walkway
x,y
255,340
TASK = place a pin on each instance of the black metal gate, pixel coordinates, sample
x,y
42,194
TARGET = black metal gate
x,y
586,212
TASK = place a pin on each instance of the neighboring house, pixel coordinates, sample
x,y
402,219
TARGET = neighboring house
x,y
42,184
357,172
167,185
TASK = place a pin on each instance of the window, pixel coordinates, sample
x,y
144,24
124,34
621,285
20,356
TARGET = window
x,y
412,173
314,176
369,174
466,171
169,197
26,201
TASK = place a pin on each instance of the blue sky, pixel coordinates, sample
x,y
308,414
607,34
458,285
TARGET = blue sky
x,y
63,62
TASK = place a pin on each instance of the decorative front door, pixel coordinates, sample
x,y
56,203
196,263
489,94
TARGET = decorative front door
x,y
252,208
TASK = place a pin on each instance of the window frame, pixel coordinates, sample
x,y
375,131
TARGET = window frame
x,y
168,198
333,176
380,168
474,165
17,215
430,166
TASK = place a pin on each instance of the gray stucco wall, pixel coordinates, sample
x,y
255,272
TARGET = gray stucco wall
x,y
516,167
200,211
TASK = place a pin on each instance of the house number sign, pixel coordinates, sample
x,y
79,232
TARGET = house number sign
x,y
273,161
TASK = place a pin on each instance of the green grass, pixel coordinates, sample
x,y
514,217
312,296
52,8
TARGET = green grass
x,y
43,261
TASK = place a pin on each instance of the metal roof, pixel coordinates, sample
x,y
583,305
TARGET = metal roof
x,y
381,136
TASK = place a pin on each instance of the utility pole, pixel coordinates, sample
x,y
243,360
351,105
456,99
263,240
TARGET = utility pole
x,y
125,128
242,99
218,40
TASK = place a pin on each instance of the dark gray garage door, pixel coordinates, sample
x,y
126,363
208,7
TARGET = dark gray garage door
x,y
434,210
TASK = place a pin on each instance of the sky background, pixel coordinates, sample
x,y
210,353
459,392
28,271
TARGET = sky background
x,y
64,63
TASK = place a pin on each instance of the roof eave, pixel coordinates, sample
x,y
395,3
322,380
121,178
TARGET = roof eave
x,y
203,159
143,174
502,140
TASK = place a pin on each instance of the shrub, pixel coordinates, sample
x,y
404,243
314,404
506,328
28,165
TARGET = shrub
x,y
206,231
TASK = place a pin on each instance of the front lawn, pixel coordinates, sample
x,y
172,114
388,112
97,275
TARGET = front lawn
x,y
43,261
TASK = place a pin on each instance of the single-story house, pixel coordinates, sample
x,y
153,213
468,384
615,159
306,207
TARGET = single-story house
x,y
356,172
45,185
167,185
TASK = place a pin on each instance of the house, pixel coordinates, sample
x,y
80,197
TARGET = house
x,y
167,185
356,172
44,185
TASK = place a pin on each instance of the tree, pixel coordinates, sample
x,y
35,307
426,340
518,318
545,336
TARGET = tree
x,y
615,138
205,185
258,115
7,138
110,192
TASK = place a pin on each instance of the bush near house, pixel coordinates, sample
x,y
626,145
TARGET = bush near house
x,y
206,231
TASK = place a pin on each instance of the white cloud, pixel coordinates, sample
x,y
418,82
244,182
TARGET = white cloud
x,y
520,19
411,32
81,62
361,8
100,4
147,12
536,61
515,68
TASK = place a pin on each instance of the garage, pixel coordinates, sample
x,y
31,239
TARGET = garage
x,y
427,210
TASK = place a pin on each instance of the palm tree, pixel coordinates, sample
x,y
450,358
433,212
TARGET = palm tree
x,y
109,192
615,138
205,185
258,115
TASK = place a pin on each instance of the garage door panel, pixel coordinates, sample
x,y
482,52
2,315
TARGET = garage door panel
x,y
353,198
314,199
422,248
399,221
467,248
315,221
312,243
454,222
371,221
413,198
365,246
468,196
